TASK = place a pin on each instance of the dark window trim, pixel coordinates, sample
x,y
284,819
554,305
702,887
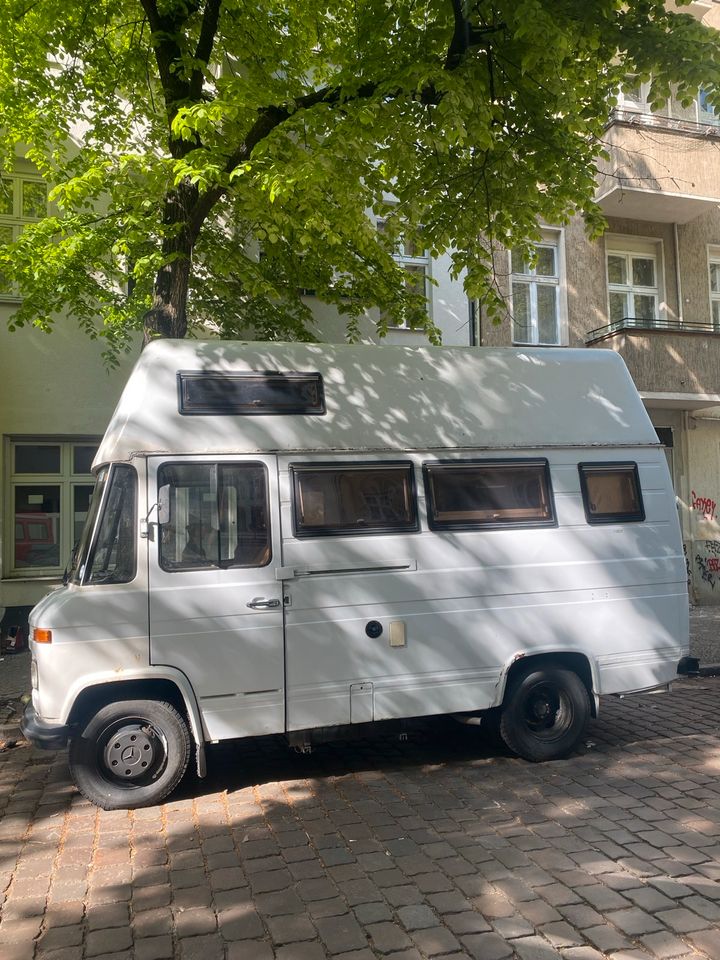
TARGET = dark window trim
x,y
179,567
342,531
189,409
542,462
610,466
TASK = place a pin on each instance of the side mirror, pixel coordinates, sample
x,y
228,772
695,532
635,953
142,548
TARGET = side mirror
x,y
163,504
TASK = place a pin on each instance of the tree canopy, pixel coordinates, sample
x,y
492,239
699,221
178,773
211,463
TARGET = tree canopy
x,y
211,159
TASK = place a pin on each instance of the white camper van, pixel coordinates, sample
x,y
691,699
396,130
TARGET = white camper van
x,y
286,538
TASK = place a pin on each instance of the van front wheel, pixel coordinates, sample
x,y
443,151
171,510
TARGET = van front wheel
x,y
131,754
545,714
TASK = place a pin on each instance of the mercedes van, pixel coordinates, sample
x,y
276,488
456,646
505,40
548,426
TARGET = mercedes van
x,y
287,538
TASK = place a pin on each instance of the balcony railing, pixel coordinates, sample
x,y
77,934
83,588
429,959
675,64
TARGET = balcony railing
x,y
653,324
702,125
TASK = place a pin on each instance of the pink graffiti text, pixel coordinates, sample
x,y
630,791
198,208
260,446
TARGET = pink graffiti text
x,y
704,505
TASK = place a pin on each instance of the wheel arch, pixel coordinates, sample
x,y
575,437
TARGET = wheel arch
x,y
160,687
578,663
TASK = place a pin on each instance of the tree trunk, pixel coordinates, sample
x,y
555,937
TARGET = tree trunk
x,y
167,317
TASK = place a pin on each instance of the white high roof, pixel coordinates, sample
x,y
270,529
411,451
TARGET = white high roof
x,y
386,398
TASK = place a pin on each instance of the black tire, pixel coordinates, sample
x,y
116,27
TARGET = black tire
x,y
130,754
545,714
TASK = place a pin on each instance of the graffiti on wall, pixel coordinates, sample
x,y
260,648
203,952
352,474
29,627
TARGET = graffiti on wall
x,y
704,506
707,561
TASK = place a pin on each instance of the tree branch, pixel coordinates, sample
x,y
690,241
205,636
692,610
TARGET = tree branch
x,y
271,117
206,41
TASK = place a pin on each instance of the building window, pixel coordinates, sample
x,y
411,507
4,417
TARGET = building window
x,y
50,487
714,277
633,95
665,436
633,282
536,294
416,264
23,200
706,111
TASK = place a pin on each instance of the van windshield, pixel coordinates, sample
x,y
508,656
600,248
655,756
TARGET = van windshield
x,y
79,557
107,550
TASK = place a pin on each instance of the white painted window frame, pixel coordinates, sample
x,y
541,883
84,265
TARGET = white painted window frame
x,y
635,104
649,248
13,223
409,261
551,237
713,259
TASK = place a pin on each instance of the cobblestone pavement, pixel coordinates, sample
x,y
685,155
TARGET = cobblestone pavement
x,y
441,845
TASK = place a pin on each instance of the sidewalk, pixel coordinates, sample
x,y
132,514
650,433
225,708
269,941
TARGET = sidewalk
x,y
705,637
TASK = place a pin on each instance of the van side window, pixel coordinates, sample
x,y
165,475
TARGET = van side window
x,y
218,516
463,495
611,492
250,394
330,500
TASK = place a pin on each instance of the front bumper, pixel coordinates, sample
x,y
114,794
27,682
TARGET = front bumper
x,y
47,736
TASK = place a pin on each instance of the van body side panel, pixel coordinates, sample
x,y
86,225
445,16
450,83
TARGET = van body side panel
x,y
477,599
105,633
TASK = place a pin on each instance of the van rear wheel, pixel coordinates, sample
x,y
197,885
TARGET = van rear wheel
x,y
130,754
545,714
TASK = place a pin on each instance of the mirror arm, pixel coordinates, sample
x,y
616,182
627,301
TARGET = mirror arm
x,y
146,525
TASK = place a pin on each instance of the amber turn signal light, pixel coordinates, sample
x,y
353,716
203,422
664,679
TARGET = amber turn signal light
x,y
42,636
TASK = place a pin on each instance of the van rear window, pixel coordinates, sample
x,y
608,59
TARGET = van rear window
x,y
330,500
611,492
463,495
250,394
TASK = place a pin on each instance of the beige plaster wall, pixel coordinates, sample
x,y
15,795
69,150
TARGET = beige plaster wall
x,y
50,385
662,161
703,507
695,237
669,363
448,306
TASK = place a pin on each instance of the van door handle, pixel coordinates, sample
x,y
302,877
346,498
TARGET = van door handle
x,y
257,602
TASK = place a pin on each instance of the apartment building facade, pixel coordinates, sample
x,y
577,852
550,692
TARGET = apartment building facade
x,y
648,289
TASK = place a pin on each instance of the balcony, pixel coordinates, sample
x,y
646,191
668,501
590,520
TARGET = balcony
x,y
661,167
674,365
700,9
